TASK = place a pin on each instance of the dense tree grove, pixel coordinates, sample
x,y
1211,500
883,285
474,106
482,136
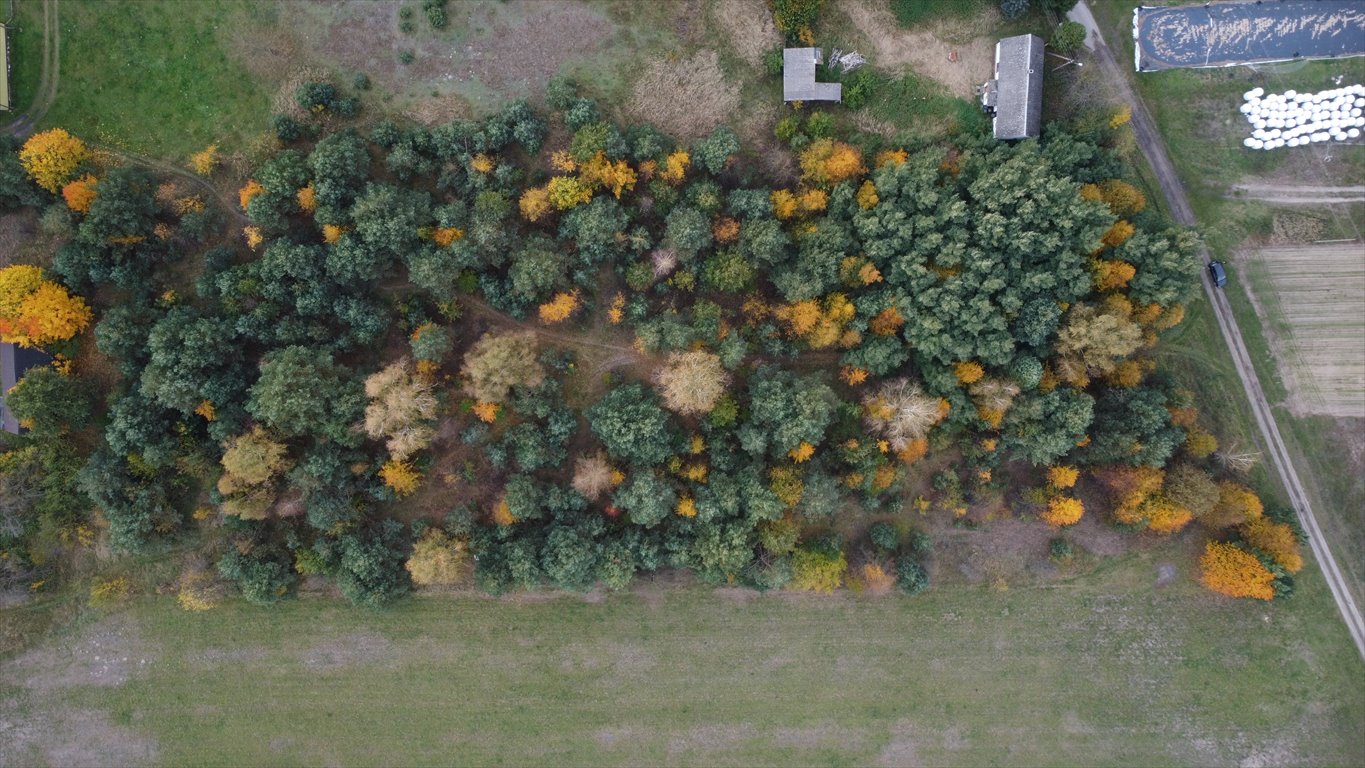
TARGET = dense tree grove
x,y
409,312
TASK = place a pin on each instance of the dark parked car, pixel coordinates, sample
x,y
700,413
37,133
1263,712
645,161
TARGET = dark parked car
x,y
1219,275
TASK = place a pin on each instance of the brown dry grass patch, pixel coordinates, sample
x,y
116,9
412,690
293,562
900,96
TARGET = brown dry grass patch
x,y
686,98
926,51
1318,290
748,26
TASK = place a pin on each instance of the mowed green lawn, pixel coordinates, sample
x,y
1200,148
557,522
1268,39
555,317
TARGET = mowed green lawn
x,y
1106,669
154,77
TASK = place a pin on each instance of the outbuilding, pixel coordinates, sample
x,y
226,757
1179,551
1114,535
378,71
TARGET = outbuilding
x,y
1014,97
798,77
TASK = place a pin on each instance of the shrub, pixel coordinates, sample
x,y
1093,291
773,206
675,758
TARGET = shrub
x,y
438,559
876,579
772,62
1013,9
859,87
1068,37
814,571
910,575
794,18
109,591
883,536
1060,549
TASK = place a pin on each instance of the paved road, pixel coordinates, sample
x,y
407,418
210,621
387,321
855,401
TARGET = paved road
x,y
1155,149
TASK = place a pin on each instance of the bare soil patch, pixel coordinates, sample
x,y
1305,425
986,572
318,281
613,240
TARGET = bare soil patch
x,y
351,650
614,735
1297,194
105,655
926,51
710,738
755,131
685,98
22,241
900,752
1318,291
46,735
491,53
748,25
822,736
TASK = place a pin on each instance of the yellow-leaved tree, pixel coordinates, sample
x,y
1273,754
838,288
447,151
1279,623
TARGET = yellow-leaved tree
x,y
559,308
204,161
1063,511
438,559
826,162
52,157
35,311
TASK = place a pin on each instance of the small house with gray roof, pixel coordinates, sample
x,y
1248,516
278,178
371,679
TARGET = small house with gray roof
x,y
798,77
15,361
1014,97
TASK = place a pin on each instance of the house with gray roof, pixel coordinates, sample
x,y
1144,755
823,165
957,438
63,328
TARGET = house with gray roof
x,y
798,77
15,361
1014,97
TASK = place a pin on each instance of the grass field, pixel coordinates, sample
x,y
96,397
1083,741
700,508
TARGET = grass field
x,y
1105,670
154,76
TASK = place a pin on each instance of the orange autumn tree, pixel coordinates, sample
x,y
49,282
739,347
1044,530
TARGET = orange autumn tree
x,y
1237,504
867,195
819,323
52,157
80,194
1276,540
827,162
1230,570
601,173
1118,234
675,167
248,191
35,311
1111,275
1130,488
